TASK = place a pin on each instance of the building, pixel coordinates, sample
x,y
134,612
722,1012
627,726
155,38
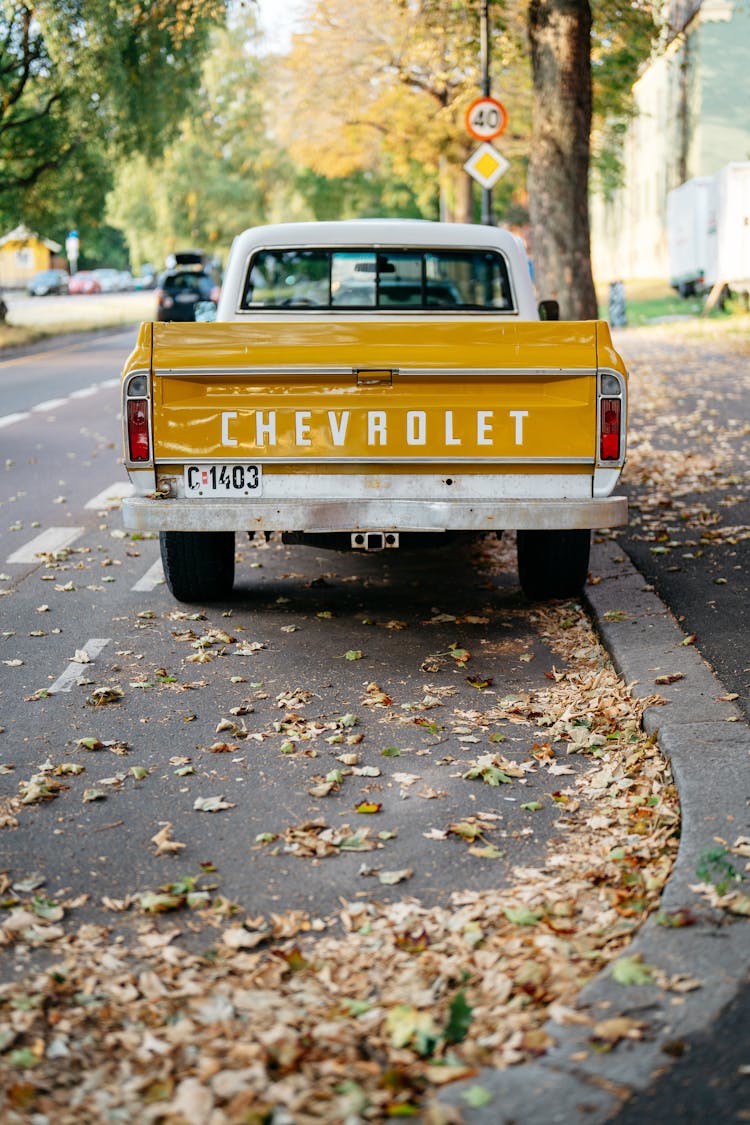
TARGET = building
x,y
23,253
691,120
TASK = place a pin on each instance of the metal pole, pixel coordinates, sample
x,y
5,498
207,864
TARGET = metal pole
x,y
484,48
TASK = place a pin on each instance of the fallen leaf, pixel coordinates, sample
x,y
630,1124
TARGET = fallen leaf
x,y
211,804
390,878
632,971
164,842
368,807
612,1030
101,696
522,915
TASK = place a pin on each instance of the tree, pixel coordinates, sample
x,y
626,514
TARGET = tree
x,y
87,81
623,36
560,38
386,92
222,173
34,134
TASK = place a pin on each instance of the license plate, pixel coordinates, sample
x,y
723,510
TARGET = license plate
x,y
223,480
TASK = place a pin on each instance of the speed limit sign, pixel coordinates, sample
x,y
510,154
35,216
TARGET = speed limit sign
x,y
486,118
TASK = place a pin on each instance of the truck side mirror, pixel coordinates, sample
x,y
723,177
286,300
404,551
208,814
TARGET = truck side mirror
x,y
549,310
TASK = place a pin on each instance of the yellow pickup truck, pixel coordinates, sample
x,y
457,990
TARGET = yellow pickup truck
x,y
371,385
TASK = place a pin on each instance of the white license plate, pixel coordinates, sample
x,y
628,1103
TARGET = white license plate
x,y
223,480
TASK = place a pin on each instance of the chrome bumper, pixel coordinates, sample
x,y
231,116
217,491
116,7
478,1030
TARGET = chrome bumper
x,y
146,514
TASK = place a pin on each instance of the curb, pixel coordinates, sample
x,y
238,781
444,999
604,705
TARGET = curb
x,y
44,343
708,746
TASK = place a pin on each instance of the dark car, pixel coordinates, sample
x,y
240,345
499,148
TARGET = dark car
x,y
46,282
180,290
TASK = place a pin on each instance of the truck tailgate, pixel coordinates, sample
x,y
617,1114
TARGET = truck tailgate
x,y
377,391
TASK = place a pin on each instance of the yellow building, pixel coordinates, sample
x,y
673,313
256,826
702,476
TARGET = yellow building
x,y
22,254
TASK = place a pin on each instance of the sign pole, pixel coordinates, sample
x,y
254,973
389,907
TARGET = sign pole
x,y
484,41
72,245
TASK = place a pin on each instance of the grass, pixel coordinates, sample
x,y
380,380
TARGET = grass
x,y
79,318
652,303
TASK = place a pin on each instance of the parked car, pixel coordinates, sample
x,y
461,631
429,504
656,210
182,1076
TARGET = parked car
x,y
146,279
85,281
124,281
179,292
109,280
46,282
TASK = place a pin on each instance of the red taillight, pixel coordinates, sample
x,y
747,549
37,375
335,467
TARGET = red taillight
x,y
609,445
138,443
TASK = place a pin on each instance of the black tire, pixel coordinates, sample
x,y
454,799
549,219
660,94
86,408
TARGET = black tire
x,y
198,565
553,564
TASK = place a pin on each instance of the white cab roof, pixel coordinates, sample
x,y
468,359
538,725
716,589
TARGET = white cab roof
x,y
378,233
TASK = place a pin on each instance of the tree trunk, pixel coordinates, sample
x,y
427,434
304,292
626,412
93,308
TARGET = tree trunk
x,y
465,198
559,34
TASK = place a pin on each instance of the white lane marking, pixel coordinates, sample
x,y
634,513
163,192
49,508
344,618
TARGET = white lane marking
x,y
53,403
151,579
50,404
10,419
110,497
53,539
75,669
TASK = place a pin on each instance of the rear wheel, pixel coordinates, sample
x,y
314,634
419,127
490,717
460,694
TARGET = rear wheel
x,y
198,565
553,564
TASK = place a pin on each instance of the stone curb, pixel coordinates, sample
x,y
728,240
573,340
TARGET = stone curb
x,y
63,339
708,745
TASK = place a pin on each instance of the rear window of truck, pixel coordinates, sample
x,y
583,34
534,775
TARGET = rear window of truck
x,y
347,278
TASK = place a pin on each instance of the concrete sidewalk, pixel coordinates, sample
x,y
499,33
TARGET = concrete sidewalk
x,y
708,745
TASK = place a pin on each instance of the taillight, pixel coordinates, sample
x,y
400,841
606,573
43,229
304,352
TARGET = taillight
x,y
138,442
609,429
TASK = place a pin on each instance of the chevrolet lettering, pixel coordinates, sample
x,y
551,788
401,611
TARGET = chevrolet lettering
x,y
370,385
339,430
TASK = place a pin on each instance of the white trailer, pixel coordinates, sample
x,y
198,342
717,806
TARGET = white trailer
x,y
688,210
728,235
708,232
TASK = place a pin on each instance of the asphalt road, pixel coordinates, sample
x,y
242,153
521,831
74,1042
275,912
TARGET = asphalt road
x,y
306,610
291,674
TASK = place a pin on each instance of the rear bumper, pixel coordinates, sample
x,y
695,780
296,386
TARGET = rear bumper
x,y
145,514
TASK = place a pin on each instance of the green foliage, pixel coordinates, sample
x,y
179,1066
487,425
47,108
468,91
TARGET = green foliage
x,y
221,174
358,195
131,64
623,37
173,108
84,83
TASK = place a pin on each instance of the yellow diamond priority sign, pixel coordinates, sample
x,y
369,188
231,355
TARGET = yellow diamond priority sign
x,y
486,165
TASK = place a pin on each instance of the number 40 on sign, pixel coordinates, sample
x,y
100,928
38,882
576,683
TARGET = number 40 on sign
x,y
486,118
